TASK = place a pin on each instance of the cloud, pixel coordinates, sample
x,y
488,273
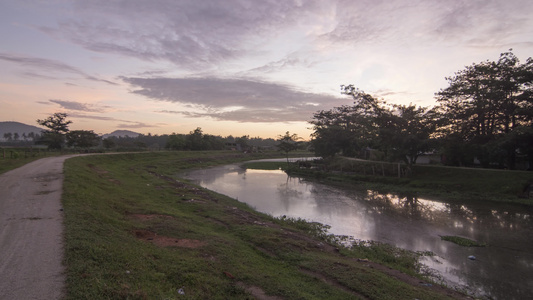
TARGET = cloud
x,y
38,76
73,105
191,34
252,115
241,100
430,22
47,66
291,61
124,124
93,117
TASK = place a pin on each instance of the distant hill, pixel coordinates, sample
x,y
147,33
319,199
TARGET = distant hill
x,y
121,133
19,128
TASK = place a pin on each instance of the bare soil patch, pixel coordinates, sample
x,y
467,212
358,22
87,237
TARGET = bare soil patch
x,y
165,241
97,169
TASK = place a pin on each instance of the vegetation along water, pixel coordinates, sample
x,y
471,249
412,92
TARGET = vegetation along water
x,y
133,231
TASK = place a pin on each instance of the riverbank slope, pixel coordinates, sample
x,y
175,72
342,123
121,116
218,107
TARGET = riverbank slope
x,y
134,231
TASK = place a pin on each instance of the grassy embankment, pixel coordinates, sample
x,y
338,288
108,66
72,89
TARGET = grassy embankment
x,y
133,231
438,182
12,158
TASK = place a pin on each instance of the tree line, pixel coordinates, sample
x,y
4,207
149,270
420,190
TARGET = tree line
x,y
57,136
484,116
24,137
193,141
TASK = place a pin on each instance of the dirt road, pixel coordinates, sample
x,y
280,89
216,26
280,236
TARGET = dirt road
x,y
31,233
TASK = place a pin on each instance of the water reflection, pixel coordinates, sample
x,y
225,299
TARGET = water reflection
x,y
503,270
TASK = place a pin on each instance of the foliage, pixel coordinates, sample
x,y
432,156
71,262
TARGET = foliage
x,y
405,132
197,140
464,184
82,139
108,143
288,143
400,132
244,142
13,158
57,125
486,113
176,142
17,140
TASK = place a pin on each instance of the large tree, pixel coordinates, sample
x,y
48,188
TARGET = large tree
x,y
176,142
82,139
405,132
346,130
399,132
484,104
57,125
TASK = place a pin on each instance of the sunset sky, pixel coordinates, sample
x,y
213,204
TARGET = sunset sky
x,y
241,67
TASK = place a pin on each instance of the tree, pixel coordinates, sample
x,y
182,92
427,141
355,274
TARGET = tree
x,y
194,139
243,142
8,136
398,132
288,143
108,143
176,142
82,139
484,103
337,130
405,132
347,129
57,125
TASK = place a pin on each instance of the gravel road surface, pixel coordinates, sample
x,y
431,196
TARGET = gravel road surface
x,y
31,231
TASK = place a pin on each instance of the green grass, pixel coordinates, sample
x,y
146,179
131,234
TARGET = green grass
x,y
466,184
118,206
266,165
461,241
15,158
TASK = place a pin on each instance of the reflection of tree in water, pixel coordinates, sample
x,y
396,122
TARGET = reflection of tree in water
x,y
409,206
483,222
286,192
211,175
457,214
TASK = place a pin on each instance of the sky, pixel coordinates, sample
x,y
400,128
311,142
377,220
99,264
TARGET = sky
x,y
238,67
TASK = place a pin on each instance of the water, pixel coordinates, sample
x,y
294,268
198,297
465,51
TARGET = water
x,y
502,270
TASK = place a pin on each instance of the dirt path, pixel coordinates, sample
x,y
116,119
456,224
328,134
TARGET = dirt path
x,y
31,233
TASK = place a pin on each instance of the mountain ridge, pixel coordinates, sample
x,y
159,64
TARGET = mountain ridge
x,y
18,128
21,128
